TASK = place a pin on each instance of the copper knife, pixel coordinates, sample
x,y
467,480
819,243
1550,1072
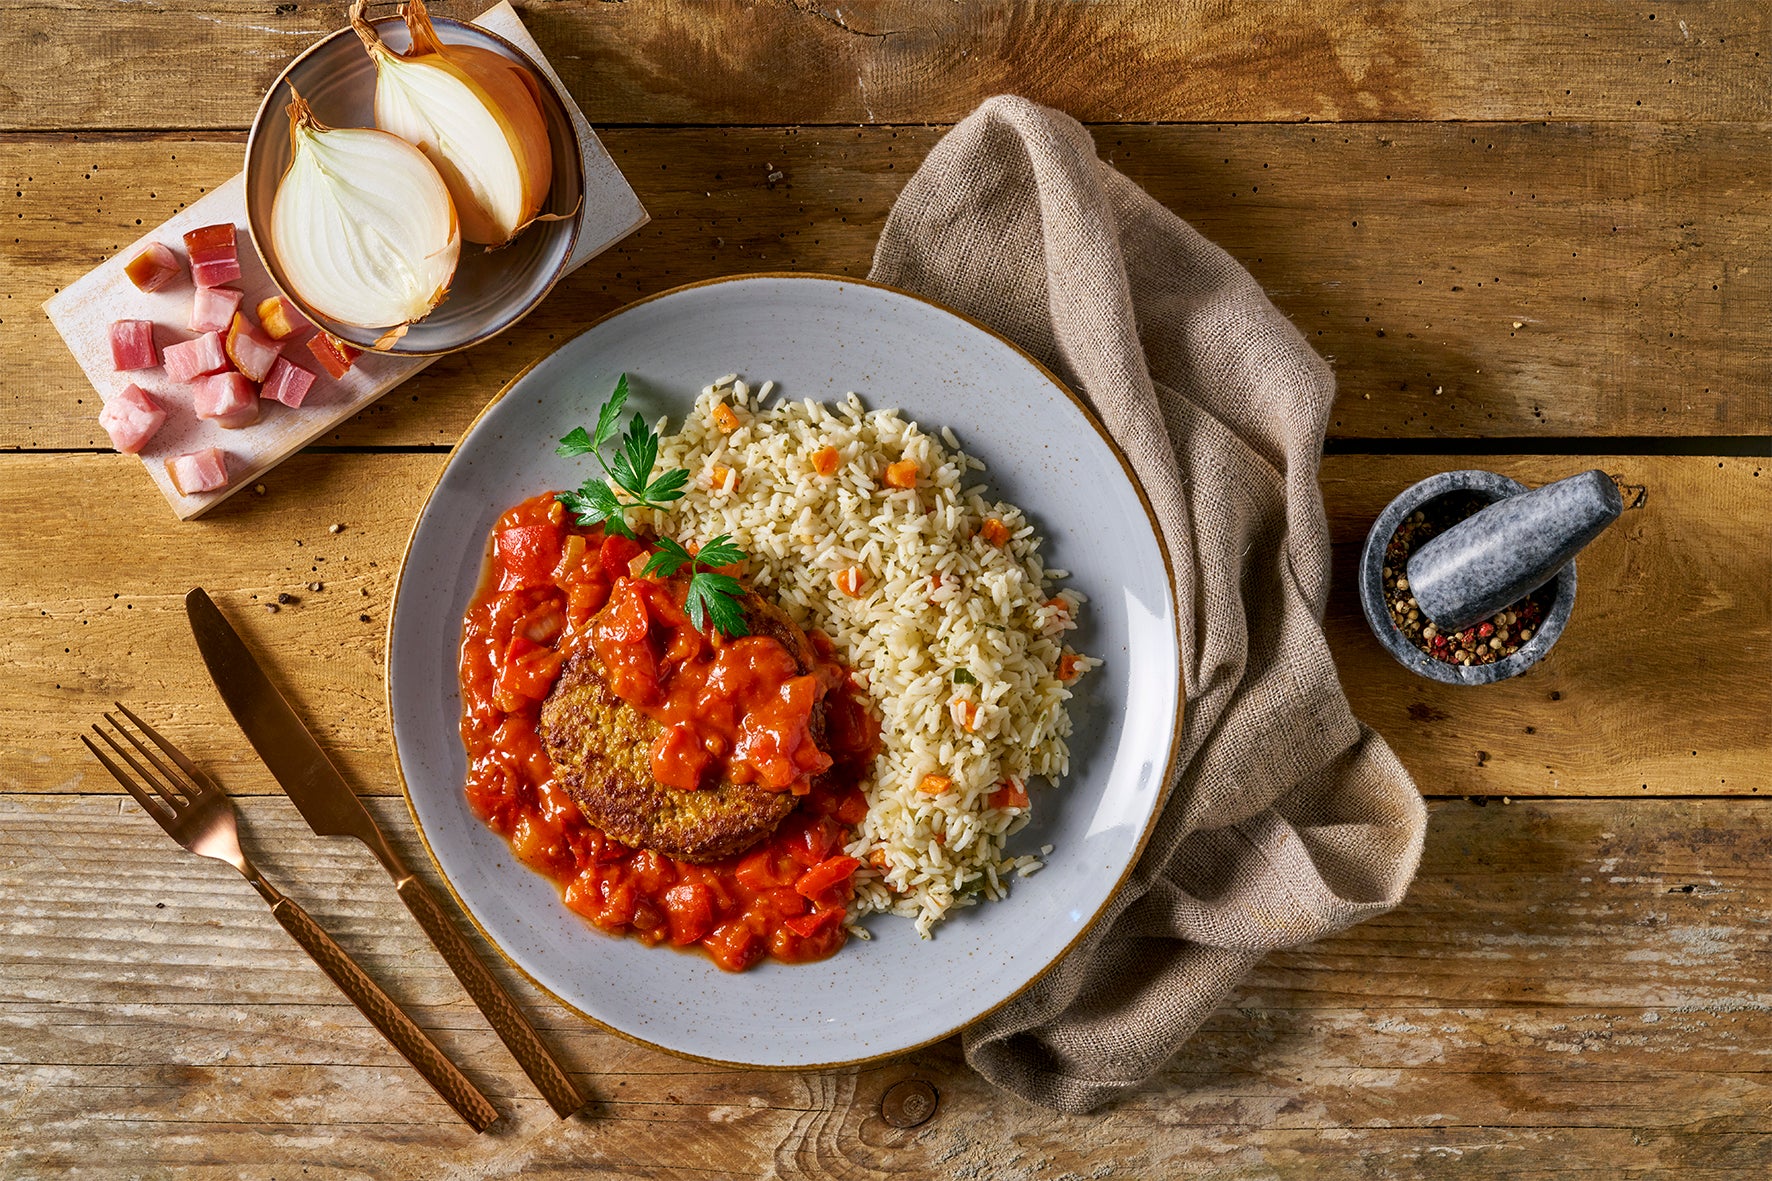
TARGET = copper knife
x,y
331,808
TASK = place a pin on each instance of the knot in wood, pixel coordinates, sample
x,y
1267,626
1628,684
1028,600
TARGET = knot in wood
x,y
908,1103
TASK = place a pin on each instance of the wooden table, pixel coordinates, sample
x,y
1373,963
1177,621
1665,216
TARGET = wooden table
x,y
1534,237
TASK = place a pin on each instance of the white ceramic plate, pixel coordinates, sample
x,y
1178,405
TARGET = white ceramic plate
x,y
817,337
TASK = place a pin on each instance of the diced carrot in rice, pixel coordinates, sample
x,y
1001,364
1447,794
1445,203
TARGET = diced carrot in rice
x,y
994,531
902,474
965,714
825,461
934,785
726,419
850,581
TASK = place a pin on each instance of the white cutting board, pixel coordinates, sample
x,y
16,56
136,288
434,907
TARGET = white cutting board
x,y
84,310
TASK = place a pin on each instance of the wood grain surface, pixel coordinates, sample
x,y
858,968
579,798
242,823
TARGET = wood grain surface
x,y
1495,1025
1532,237
1464,280
915,61
1638,698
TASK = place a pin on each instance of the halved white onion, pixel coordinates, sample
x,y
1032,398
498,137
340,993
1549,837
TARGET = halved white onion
x,y
362,225
474,113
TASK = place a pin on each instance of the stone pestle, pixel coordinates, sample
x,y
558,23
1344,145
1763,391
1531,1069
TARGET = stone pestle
x,y
1509,549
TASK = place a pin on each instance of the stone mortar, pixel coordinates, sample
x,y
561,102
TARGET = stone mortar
x,y
1493,487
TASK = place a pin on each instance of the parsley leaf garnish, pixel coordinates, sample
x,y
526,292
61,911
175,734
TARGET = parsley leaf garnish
x,y
711,595
963,676
596,502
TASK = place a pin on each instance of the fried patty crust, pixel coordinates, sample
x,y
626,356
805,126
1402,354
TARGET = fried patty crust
x,y
601,750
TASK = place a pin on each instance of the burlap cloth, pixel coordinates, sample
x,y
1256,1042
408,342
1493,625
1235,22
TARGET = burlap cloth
x,y
1290,819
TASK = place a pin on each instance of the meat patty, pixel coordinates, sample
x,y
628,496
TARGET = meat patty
x,y
601,750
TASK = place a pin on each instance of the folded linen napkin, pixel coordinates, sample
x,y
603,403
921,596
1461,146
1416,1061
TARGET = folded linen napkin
x,y
1289,819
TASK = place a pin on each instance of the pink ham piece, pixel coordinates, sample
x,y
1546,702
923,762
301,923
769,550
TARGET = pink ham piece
x,y
132,345
199,471
191,359
227,398
251,351
212,310
153,268
215,257
131,418
287,383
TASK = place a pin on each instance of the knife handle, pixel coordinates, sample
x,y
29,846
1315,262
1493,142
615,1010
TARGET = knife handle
x,y
501,1011
412,1042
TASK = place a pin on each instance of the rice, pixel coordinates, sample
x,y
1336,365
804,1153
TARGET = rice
x,y
956,641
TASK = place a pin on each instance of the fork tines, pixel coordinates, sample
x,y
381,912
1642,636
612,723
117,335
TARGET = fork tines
x,y
178,789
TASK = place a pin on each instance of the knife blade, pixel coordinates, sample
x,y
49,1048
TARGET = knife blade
x,y
331,808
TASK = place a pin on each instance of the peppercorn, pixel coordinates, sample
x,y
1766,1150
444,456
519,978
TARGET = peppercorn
x,y
1489,640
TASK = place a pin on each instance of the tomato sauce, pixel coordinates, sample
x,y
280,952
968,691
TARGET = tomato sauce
x,y
735,709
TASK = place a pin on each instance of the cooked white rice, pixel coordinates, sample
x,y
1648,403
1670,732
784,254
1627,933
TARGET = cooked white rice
x,y
935,600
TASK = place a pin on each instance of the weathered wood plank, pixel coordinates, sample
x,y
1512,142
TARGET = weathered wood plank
x,y
1467,281
1570,984
908,61
1660,678
1658,686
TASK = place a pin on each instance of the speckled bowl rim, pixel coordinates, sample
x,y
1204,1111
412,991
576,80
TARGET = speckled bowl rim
x,y
575,152
1498,487
1171,759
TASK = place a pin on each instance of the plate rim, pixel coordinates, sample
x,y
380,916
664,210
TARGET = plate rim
x,y
1169,763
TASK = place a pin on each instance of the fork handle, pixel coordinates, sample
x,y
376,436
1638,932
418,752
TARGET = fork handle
x,y
412,1042
508,1021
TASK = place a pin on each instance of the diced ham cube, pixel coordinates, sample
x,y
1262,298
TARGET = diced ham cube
x,y
199,471
215,273
287,383
251,351
280,318
212,309
228,398
132,345
215,258
131,418
335,356
153,268
191,359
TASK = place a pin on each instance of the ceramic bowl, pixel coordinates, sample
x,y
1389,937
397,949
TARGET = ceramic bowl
x,y
1491,487
493,289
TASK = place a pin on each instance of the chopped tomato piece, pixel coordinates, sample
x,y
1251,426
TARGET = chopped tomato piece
x,y
853,810
617,553
807,926
690,908
526,556
624,619
826,874
734,946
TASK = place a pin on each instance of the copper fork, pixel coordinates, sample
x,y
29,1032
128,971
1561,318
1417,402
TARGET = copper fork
x,y
199,815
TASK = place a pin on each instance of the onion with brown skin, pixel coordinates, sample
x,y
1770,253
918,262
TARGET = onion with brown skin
x,y
362,226
475,114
